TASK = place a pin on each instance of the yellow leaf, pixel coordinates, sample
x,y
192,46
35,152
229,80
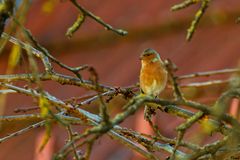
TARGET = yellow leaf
x,y
48,6
14,57
44,111
43,104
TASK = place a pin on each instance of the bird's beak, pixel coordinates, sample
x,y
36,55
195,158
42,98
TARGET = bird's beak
x,y
141,57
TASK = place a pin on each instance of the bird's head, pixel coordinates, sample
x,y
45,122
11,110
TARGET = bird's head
x,y
150,56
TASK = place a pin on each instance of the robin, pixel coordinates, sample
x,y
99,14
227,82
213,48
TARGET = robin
x,y
153,77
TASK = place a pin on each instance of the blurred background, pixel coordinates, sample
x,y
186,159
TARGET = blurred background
x,y
150,24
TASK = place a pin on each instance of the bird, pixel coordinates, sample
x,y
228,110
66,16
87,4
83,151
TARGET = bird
x,y
153,77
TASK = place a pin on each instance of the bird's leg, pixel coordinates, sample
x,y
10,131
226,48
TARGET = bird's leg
x,y
148,112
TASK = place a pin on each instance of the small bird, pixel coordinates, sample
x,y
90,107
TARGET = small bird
x,y
153,77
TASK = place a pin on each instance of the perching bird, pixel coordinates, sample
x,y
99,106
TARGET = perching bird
x,y
153,77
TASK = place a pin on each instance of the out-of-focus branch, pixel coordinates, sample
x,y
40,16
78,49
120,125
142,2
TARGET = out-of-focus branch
x,y
6,10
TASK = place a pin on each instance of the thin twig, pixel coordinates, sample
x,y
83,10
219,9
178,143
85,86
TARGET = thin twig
x,y
98,19
39,124
209,73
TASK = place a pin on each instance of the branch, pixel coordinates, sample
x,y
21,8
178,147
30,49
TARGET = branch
x,y
198,15
98,19
209,73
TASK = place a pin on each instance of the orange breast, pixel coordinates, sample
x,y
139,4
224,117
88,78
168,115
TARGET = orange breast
x,y
153,78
